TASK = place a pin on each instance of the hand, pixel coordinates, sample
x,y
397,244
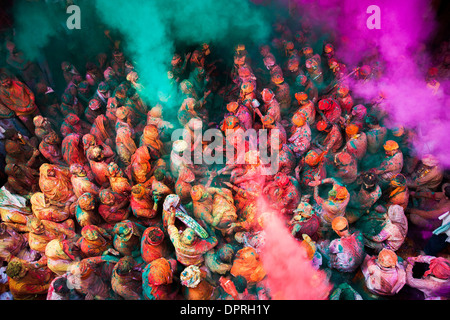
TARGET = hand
x,y
36,153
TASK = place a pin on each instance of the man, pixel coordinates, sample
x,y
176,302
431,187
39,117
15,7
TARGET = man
x,y
26,283
306,107
282,194
271,104
332,139
383,274
189,248
356,143
363,200
428,175
19,98
376,135
435,282
282,93
394,231
300,139
335,205
392,164
345,253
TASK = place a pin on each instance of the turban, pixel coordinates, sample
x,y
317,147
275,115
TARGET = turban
x,y
76,169
267,95
390,145
307,51
86,200
344,158
352,129
232,106
440,268
321,125
247,87
328,48
106,197
299,119
191,276
72,119
324,104
38,121
293,64
197,192
304,208
341,193
339,224
159,272
90,232
94,104
301,96
312,158
342,90
277,78
387,258
268,119
398,131
155,236
155,112
282,179
138,191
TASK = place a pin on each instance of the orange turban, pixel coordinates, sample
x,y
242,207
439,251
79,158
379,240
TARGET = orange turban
x,y
390,145
138,191
232,106
339,224
299,119
301,96
247,87
248,265
352,129
277,78
341,193
387,258
312,158
267,95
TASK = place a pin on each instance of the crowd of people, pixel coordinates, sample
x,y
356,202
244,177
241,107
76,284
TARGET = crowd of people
x,y
99,202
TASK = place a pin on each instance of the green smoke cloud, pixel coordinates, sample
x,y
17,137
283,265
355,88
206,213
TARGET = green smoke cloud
x,y
153,29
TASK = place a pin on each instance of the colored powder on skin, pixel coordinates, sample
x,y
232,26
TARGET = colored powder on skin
x,y
290,273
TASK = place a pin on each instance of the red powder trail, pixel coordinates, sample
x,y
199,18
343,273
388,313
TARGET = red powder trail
x,y
290,274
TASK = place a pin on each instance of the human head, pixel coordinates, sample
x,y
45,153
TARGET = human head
x,y
351,130
138,191
188,236
299,119
369,180
197,192
60,286
340,225
338,193
16,269
191,276
155,236
77,170
390,147
440,268
87,201
387,258
106,197
226,253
